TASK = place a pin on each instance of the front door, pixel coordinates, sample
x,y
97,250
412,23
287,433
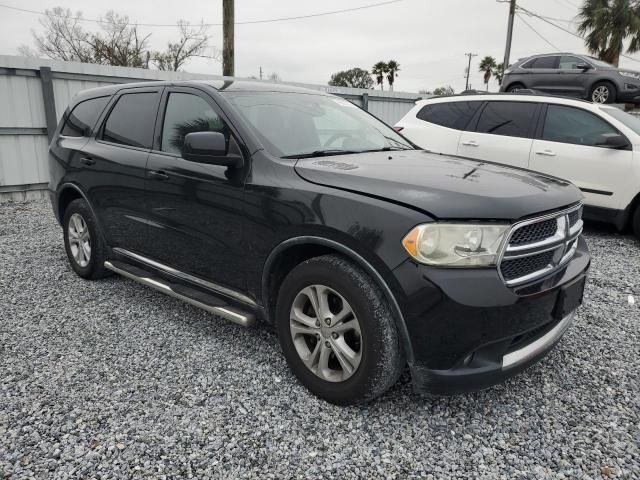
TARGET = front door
x,y
194,209
566,149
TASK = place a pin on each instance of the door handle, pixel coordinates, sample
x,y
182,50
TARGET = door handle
x,y
87,161
158,174
470,143
546,153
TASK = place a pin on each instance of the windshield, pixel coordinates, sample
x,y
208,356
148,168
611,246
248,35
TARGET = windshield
x,y
300,124
629,121
599,63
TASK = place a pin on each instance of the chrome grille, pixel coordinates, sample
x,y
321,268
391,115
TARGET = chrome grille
x,y
538,247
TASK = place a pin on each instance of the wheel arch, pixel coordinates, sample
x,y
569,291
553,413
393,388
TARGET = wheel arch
x,y
67,193
515,82
295,250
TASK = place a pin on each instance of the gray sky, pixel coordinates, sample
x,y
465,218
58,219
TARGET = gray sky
x,y
427,37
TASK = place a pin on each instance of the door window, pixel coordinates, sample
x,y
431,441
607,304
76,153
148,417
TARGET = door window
x,y
568,62
543,62
511,119
452,114
187,113
131,120
83,117
573,125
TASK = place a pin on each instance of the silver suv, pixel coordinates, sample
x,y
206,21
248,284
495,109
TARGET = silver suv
x,y
573,75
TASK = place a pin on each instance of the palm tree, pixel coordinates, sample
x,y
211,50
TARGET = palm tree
x,y
378,71
607,24
393,68
488,66
498,72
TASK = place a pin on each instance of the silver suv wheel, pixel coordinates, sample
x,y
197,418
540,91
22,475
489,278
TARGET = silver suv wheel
x,y
326,333
600,94
79,240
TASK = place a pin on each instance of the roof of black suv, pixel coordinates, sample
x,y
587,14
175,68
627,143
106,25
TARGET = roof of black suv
x,y
220,85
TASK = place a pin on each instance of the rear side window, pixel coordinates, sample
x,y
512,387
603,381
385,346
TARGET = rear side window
x,y
83,117
131,120
542,62
187,113
452,114
511,119
572,125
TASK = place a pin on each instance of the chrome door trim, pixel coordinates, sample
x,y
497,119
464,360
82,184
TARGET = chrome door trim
x,y
185,276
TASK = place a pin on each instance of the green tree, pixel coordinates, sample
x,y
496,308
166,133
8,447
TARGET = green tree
x,y
607,24
498,72
446,90
354,78
393,68
487,66
379,70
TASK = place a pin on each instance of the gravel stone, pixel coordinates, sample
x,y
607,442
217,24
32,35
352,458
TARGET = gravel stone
x,y
111,379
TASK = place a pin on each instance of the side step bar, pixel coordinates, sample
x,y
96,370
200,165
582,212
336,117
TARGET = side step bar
x,y
194,297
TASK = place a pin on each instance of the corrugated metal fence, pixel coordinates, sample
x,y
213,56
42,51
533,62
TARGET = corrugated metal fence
x,y
34,94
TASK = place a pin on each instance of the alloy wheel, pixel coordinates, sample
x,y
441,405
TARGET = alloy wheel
x,y
326,333
600,94
79,240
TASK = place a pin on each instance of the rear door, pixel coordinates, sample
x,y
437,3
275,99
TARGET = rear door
x,y
437,126
503,133
195,209
114,162
565,147
543,73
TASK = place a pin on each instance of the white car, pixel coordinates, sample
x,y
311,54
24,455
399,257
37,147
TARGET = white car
x,y
596,147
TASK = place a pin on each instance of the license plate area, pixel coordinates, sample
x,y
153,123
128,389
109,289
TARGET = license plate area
x,y
569,298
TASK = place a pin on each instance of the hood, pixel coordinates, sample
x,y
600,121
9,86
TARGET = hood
x,y
442,186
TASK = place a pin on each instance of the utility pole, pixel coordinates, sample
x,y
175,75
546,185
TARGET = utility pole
x,y
260,73
228,67
507,49
470,55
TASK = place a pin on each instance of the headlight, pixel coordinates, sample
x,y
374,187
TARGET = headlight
x,y
630,75
456,244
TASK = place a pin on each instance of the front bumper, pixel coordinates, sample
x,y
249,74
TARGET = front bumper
x,y
468,330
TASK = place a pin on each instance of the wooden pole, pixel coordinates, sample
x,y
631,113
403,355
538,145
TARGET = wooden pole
x,y
228,63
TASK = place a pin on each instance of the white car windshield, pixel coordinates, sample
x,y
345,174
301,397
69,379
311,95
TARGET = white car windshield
x,y
291,125
629,121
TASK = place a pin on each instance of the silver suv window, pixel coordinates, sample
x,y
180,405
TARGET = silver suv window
x,y
548,62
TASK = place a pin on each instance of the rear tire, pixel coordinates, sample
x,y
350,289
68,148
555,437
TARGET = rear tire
x,y
602,92
635,222
83,243
515,87
361,349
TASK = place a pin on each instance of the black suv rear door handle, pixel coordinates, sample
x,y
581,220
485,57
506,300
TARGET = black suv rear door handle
x,y
87,161
159,174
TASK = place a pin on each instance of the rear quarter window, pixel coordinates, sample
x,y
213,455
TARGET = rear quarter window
x,y
83,117
454,115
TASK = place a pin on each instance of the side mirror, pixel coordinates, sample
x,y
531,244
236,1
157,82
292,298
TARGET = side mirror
x,y
209,147
614,141
583,66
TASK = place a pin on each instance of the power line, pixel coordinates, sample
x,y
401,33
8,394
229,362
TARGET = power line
x,y
536,32
249,22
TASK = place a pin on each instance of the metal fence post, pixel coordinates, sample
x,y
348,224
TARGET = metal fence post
x,y
49,101
365,101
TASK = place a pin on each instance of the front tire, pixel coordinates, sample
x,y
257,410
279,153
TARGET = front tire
x,y
603,92
337,331
82,241
635,222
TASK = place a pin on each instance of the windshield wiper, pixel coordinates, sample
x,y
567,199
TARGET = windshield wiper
x,y
321,153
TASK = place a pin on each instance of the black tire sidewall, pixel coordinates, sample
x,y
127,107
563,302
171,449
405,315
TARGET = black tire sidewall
x,y
635,222
95,267
372,312
515,87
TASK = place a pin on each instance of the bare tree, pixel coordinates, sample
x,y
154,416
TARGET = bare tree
x,y
63,38
192,43
119,43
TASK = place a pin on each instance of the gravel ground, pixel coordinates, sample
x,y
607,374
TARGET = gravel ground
x,y
110,379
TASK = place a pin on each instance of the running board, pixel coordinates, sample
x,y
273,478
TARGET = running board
x,y
194,297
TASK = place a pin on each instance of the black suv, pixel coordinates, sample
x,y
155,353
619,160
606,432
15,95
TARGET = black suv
x,y
297,208
573,75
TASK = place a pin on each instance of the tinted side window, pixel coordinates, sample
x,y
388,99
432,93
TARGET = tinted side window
x,y
545,62
569,63
512,119
83,117
572,125
452,115
186,113
131,120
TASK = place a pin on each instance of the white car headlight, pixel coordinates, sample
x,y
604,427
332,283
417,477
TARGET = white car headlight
x,y
630,75
456,244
